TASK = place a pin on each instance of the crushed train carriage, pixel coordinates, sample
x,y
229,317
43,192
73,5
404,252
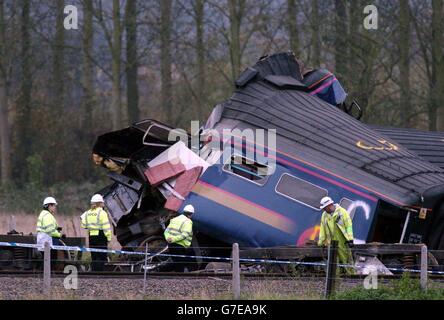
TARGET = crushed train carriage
x,y
271,198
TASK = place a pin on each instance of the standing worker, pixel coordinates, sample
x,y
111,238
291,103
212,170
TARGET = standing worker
x,y
336,225
96,221
47,228
179,236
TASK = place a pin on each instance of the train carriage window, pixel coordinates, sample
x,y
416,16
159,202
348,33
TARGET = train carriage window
x,y
347,205
248,169
300,191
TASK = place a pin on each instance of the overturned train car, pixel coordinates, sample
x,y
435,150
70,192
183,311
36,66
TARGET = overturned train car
x,y
263,191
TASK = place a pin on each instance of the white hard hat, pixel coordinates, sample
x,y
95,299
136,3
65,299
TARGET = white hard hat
x,y
49,200
326,201
188,208
97,198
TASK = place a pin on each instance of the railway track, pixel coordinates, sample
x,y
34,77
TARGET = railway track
x,y
199,275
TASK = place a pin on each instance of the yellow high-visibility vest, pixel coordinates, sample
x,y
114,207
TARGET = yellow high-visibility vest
x,y
339,220
95,220
46,223
180,230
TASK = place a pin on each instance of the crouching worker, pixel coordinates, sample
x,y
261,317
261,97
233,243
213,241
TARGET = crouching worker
x,y
47,228
179,236
336,225
96,221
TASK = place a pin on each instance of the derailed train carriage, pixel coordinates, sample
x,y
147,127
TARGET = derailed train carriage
x,y
265,194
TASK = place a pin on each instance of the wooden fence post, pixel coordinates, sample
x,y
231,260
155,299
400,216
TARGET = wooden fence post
x,y
145,267
424,267
331,269
47,269
236,272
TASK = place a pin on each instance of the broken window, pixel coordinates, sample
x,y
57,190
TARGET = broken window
x,y
248,169
161,132
300,191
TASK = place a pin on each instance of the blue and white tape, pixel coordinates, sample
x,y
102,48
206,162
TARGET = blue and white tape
x,y
84,249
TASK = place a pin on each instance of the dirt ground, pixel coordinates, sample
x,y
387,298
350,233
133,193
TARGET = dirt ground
x,y
26,223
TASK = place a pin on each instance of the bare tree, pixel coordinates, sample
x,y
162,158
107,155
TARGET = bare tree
x,y
116,66
292,25
341,39
5,136
88,67
132,89
23,137
236,15
59,57
436,109
316,60
165,58
200,55
404,65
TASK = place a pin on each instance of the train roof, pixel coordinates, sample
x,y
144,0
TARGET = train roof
x,y
426,144
271,95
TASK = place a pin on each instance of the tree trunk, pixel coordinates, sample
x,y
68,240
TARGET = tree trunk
x,y
316,57
200,55
23,137
341,40
165,59
116,67
5,139
59,63
236,12
88,68
4,134
354,42
293,26
436,106
132,89
404,64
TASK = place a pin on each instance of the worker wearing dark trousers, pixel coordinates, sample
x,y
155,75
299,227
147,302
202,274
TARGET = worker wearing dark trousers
x,y
96,221
98,259
179,236
182,263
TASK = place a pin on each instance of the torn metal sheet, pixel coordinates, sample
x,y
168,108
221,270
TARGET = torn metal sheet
x,y
130,183
120,201
167,170
180,152
184,184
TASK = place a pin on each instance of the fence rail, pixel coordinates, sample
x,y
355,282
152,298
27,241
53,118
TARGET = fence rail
x,y
235,260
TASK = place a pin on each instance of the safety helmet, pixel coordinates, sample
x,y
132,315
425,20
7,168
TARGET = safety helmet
x,y
325,202
97,198
49,200
188,208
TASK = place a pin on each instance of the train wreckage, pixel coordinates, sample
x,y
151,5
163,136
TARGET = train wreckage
x,y
266,194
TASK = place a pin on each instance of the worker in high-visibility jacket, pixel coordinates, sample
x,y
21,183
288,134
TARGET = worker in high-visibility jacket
x,y
96,221
47,228
179,235
336,225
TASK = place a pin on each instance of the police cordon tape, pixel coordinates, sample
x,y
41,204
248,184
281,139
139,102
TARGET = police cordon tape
x,y
84,249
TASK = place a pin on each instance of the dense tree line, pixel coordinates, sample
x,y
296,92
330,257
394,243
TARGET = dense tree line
x,y
173,60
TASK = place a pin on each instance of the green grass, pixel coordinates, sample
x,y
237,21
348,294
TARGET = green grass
x,y
404,289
